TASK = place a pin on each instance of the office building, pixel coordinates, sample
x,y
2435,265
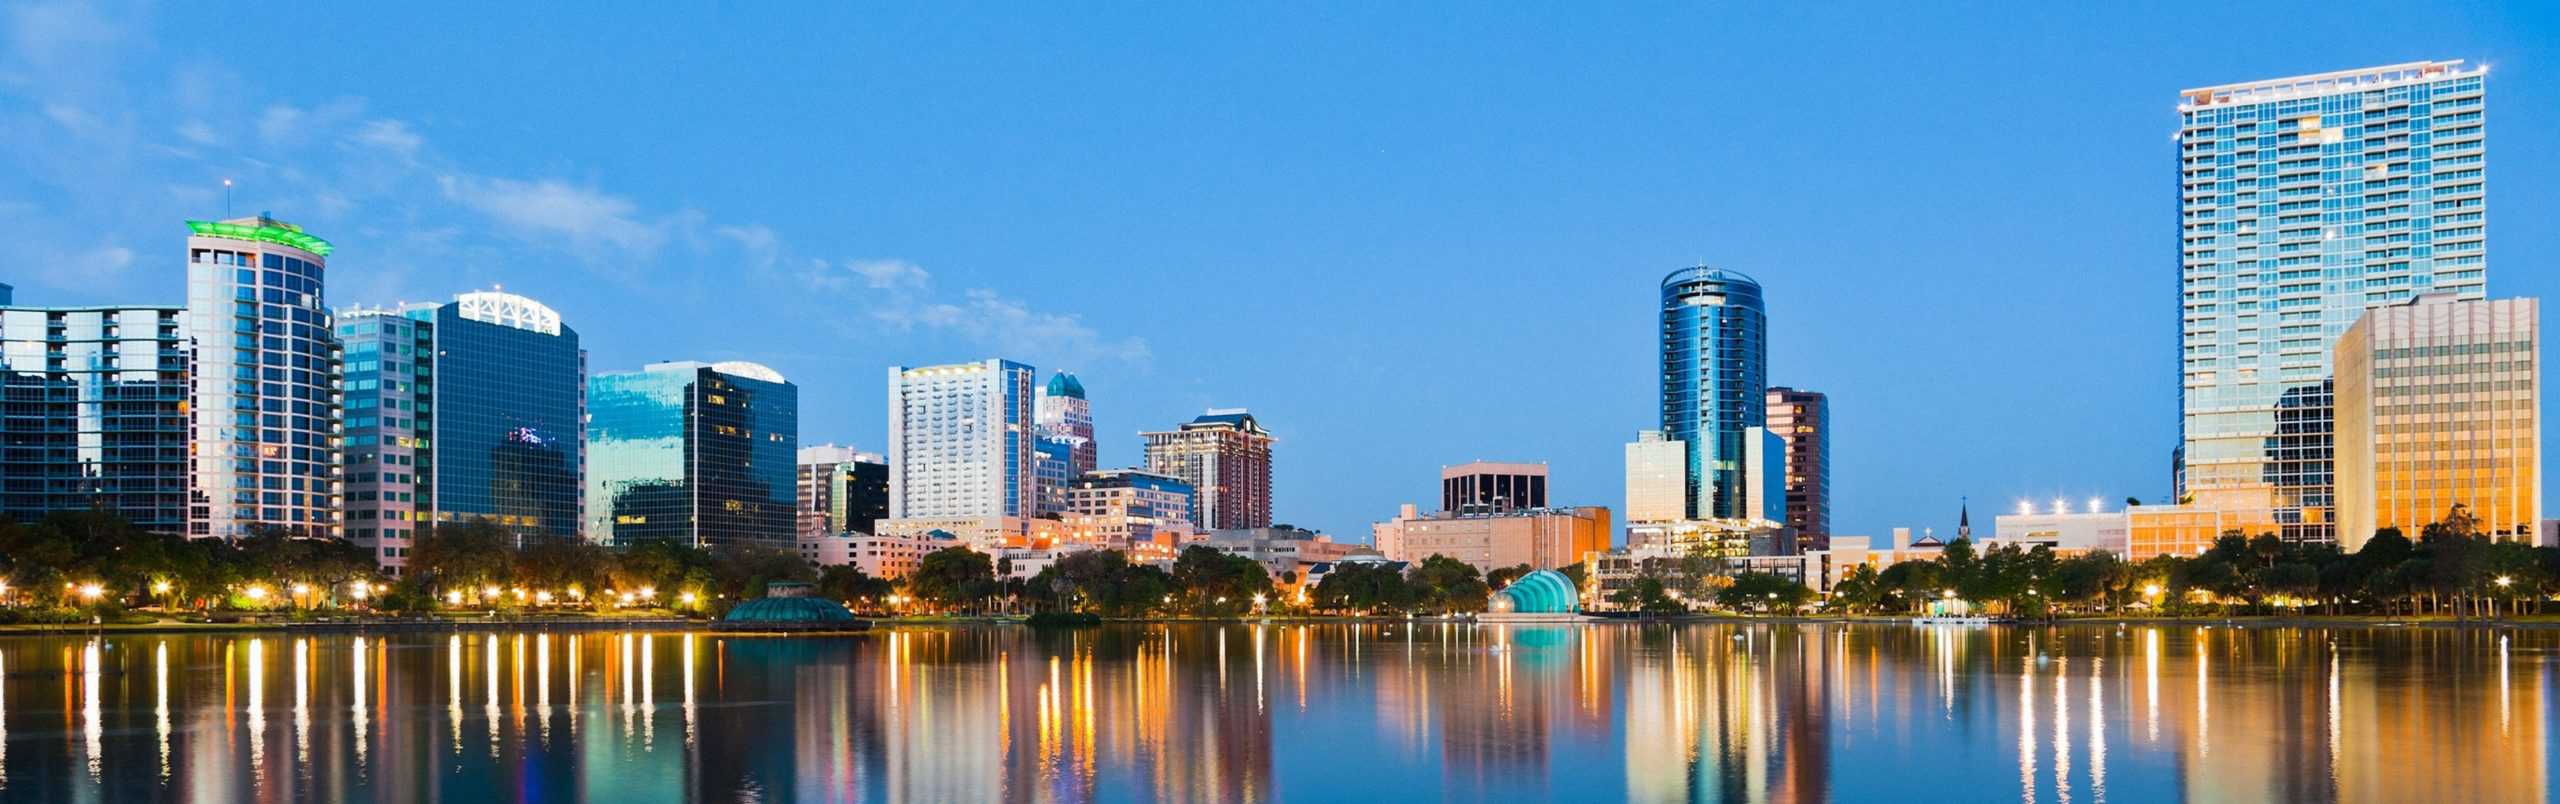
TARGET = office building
x,y
2439,405
2063,530
841,489
469,410
93,413
696,453
1065,416
961,451
1226,456
1657,479
265,402
2304,202
1714,393
1544,538
1491,487
1803,420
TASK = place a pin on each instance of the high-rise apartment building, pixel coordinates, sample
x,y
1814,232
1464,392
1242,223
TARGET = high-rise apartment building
x,y
1065,416
1803,420
697,453
93,412
1657,479
841,489
1714,387
961,456
1480,487
2304,202
2440,405
265,402
469,410
1226,457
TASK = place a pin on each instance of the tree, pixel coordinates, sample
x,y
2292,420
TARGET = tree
x,y
1449,585
1363,587
1648,595
953,577
848,583
1763,590
1502,577
1217,583
1860,590
463,555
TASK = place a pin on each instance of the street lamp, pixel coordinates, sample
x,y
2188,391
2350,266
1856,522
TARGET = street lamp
x,y
257,593
159,587
688,598
91,592
2505,581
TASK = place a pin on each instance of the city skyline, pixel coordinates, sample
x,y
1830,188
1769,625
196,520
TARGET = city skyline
x,y
1906,360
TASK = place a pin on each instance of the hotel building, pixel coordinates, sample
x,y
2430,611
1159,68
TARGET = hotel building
x,y
1714,395
1803,420
2439,405
961,456
265,401
2304,202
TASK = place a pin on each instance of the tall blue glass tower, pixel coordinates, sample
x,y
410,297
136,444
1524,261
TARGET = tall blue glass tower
x,y
1715,380
698,453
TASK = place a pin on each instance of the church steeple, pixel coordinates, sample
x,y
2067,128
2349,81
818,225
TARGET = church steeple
x,y
1964,518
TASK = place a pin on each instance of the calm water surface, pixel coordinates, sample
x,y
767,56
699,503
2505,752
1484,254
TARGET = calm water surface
x,y
1285,712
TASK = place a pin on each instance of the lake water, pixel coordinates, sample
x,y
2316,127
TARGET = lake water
x,y
1327,712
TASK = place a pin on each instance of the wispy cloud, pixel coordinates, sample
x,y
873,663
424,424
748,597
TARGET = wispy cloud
x,y
590,223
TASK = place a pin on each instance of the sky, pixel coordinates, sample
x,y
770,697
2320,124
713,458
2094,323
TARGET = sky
x,y
1405,235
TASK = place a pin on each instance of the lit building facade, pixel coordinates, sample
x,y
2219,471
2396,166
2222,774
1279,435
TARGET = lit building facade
x,y
265,402
1657,479
1492,487
1128,508
1544,538
1803,420
1064,415
2178,530
1715,382
2440,405
2065,531
961,449
2304,202
93,413
1226,457
697,453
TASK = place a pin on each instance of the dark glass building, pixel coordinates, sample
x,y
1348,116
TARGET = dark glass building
x,y
702,453
1714,377
473,409
93,413
1803,419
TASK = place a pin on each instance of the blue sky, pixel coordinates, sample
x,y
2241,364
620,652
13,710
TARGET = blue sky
x,y
1404,236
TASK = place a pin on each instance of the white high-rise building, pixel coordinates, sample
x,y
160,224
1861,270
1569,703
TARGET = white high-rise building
x,y
1657,483
960,450
266,380
2304,202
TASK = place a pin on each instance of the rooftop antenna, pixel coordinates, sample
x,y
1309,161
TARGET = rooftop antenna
x,y
226,198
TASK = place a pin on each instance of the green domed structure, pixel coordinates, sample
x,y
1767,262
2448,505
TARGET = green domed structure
x,y
1540,592
1066,385
787,608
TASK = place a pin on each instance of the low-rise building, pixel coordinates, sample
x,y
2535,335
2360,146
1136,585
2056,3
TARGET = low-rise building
x,y
2066,532
1544,538
894,555
1284,550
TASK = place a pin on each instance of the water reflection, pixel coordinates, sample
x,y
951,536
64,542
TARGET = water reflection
x,y
1269,712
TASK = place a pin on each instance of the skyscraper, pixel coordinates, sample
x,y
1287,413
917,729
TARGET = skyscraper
x,y
95,413
2439,405
841,489
472,409
266,380
1803,419
1714,387
1065,416
1226,457
2304,202
961,455
698,453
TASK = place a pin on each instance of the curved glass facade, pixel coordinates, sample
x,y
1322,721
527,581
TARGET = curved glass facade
x,y
1714,379
1542,592
266,381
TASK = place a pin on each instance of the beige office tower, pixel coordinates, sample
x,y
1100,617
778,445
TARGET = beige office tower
x,y
1656,487
2439,405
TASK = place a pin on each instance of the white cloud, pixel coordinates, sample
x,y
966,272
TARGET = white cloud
x,y
392,136
199,132
887,274
759,241
590,221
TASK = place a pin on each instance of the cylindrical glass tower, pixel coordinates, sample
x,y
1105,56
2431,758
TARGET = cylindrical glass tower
x,y
1715,377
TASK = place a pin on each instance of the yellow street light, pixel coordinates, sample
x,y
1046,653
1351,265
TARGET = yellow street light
x,y
2150,590
2504,581
256,593
542,597
649,592
360,590
159,587
91,591
453,598
301,589
687,598
489,591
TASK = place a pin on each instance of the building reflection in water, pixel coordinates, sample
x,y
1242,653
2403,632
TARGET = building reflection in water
x,y
1258,712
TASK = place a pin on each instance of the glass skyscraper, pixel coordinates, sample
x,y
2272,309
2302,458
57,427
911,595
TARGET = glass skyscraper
x,y
699,453
1715,379
2303,202
266,380
93,412
466,410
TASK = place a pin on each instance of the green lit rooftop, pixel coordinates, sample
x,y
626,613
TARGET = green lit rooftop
x,y
264,230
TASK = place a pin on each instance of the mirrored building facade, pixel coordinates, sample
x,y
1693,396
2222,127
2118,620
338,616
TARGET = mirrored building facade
x,y
93,413
698,453
1715,377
